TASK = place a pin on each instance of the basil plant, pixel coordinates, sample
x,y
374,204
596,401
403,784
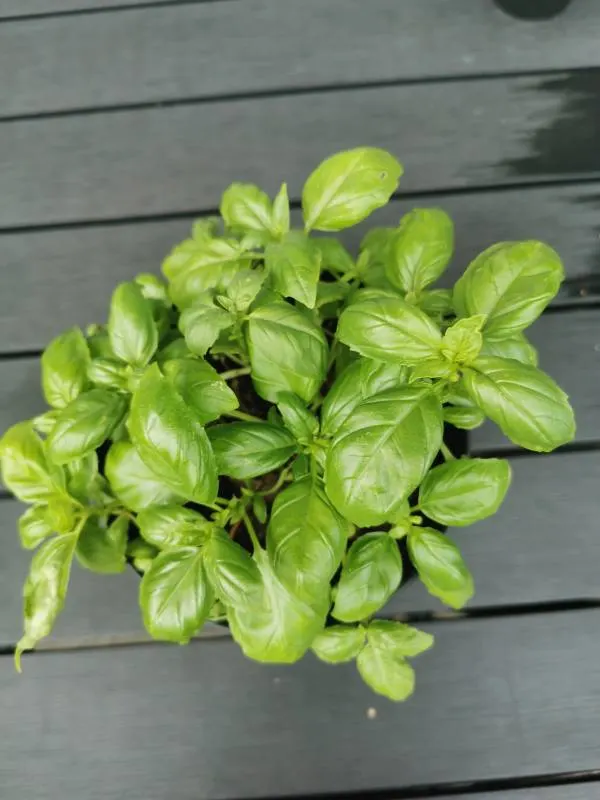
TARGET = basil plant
x,y
256,433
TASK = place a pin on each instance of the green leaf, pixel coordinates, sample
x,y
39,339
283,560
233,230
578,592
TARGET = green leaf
x,y
201,387
106,373
244,287
246,450
517,347
132,482
131,327
83,480
171,526
387,328
525,403
288,352
152,287
60,514
436,303
356,383
45,590
400,640
26,471
280,223
64,368
102,548
175,349
347,187
44,423
170,440
301,422
392,677
141,554
371,574
433,368
334,256
245,207
175,595
381,453
421,250
465,418
440,566
201,325
33,527
231,570
465,491
85,424
306,538
511,283
209,264
329,297
339,643
463,340
294,265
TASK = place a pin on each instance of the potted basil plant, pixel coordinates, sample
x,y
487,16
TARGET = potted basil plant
x,y
256,433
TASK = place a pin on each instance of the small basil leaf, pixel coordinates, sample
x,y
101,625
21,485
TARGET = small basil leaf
x,y
244,287
132,482
400,640
329,297
245,207
201,387
33,527
207,264
463,340
440,566
381,453
101,548
175,595
131,327
334,256
465,491
421,250
280,221
294,265
525,403
152,287
60,514
465,418
26,471
231,570
170,440
386,674
433,368
64,367
104,372
436,303
371,574
297,418
206,228
83,478
141,554
173,526
85,424
339,643
44,423
345,188
201,326
517,347
175,349
246,450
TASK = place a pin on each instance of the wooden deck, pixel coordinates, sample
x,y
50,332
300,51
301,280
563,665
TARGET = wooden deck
x,y
120,121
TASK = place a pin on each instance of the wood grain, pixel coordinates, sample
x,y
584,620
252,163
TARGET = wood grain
x,y
179,160
495,699
207,49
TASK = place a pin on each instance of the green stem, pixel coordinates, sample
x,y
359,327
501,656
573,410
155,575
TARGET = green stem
x,y
243,416
251,531
446,452
235,373
284,476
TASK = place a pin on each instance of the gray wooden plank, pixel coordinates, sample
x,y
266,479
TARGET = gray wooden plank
x,y
26,8
542,545
20,391
495,698
207,49
165,160
73,271
577,791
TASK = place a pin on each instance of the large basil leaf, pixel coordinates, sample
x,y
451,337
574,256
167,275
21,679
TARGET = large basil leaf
x,y
371,574
45,590
400,639
132,482
64,368
175,595
34,527
207,264
356,383
288,352
347,187
440,566
465,491
511,283
525,403
131,327
306,538
297,418
26,471
231,570
170,440
201,325
245,207
85,424
387,328
381,453
173,526
248,449
201,387
385,673
421,250
517,347
294,265
101,548
339,643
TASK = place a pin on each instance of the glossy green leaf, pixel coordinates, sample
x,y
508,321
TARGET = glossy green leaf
x,y
26,471
334,256
152,287
347,187
208,264
175,595
133,483
201,387
462,341
177,348
511,283
525,403
400,639
339,643
387,328
440,566
436,303
371,574
33,527
465,418
421,250
306,538
517,347
244,287
61,514
101,548
141,554
433,368
168,526
85,424
280,223
381,453
131,327
465,491
202,324
44,423
170,440
106,373
294,265
64,368
245,207
329,297
246,450
83,480
231,570
301,422
288,352
386,674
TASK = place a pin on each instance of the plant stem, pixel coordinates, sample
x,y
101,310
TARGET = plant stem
x,y
284,476
251,531
235,373
446,452
243,416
